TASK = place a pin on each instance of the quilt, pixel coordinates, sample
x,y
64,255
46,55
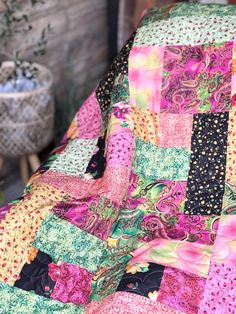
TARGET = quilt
x,y
135,211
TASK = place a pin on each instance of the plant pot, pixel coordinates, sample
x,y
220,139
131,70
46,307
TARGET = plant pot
x,y
26,118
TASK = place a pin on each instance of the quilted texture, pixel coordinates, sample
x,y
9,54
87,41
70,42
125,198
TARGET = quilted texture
x,y
135,211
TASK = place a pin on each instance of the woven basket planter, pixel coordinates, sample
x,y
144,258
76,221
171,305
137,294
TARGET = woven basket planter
x,y
26,118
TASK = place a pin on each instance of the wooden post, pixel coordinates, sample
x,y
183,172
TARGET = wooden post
x,y
24,170
1,162
34,162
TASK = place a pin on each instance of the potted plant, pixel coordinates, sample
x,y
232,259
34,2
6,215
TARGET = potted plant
x,y
27,108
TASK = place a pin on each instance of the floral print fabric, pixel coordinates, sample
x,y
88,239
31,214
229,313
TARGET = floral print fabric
x,y
34,275
74,159
220,290
198,30
134,212
143,279
192,257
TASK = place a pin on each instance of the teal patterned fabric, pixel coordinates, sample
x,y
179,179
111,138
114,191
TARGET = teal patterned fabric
x,y
217,29
65,242
148,162
17,301
191,9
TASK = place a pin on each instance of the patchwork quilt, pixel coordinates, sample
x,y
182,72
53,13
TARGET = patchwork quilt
x,y
135,211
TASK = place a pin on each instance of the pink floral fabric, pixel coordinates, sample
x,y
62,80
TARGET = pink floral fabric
x,y
120,149
175,130
220,292
128,303
87,123
120,119
181,290
81,188
233,82
73,283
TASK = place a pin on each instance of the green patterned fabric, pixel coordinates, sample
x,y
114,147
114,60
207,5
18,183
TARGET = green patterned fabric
x,y
148,162
121,89
229,201
17,301
187,31
191,9
65,242
68,162
156,14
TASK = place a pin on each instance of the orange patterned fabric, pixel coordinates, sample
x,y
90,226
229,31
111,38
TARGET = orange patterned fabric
x,y
20,226
146,124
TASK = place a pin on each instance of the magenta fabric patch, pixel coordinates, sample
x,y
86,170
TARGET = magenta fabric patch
x,y
191,81
181,290
87,123
192,228
73,283
3,211
120,149
94,214
170,222
175,130
220,293
89,118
